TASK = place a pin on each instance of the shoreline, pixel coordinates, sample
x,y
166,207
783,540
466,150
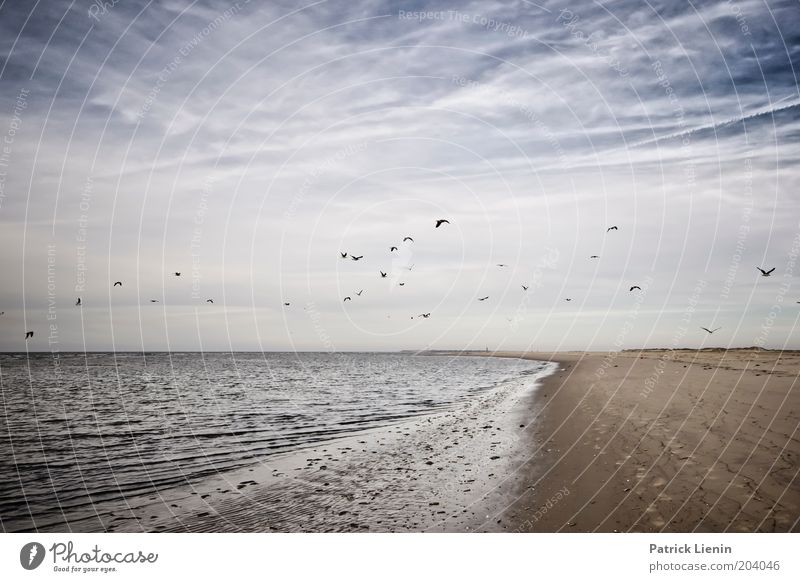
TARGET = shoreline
x,y
663,441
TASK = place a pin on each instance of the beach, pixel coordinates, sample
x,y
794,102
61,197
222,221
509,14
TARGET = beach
x,y
663,441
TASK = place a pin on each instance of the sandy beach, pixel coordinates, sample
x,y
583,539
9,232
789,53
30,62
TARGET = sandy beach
x,y
674,441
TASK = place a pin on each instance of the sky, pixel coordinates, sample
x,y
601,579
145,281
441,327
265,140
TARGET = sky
x,y
247,144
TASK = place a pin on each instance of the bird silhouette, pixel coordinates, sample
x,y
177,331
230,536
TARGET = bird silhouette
x,y
483,298
408,238
287,304
594,257
501,265
383,275
355,258
524,288
610,228
344,255
78,302
177,274
441,221
401,284
635,287
116,283
710,330
568,299
348,298
360,292
209,301
154,301
425,315
765,273
28,334
392,249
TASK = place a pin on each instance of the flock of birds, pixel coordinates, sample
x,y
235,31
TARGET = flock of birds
x,y
383,275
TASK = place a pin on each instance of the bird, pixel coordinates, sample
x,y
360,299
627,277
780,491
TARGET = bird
x,y
401,284
765,273
383,275
711,330
344,255
28,334
568,299
524,288
635,287
483,298
408,238
501,265
177,274
117,283
286,304
154,301
209,301
348,298
610,228
441,221
594,257
360,292
78,302
392,249
425,315
355,258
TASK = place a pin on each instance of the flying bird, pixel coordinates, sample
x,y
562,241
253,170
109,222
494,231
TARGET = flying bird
x,y
765,273
425,315
594,257
383,275
355,258
401,284
568,299
483,298
28,334
710,330
408,238
524,288
344,255
117,283
501,265
154,301
360,292
78,302
610,228
441,221
635,287
348,298
209,301
287,304
392,249
177,274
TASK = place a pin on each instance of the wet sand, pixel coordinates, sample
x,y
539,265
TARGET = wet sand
x,y
673,441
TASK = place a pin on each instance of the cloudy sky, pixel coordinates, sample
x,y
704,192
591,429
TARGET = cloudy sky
x,y
246,144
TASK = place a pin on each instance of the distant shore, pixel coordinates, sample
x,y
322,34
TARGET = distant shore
x,y
663,440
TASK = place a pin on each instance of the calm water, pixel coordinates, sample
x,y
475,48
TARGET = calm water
x,y
91,428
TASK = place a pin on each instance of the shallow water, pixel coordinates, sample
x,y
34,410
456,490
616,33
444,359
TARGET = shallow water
x,y
81,430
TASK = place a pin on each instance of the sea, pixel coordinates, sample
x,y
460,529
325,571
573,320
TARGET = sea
x,y
79,430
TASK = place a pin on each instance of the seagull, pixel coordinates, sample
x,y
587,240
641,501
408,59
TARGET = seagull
x,y
360,292
209,301
117,283
765,273
441,221
711,330
425,315
348,298
524,288
594,257
154,301
568,299
635,287
501,265
383,275
392,249
28,334
610,228
344,255
78,302
408,238
401,284
355,258
483,298
286,304
177,274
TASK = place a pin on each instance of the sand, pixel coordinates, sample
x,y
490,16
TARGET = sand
x,y
663,441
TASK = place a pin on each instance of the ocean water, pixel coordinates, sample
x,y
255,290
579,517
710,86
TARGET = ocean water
x,y
86,429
